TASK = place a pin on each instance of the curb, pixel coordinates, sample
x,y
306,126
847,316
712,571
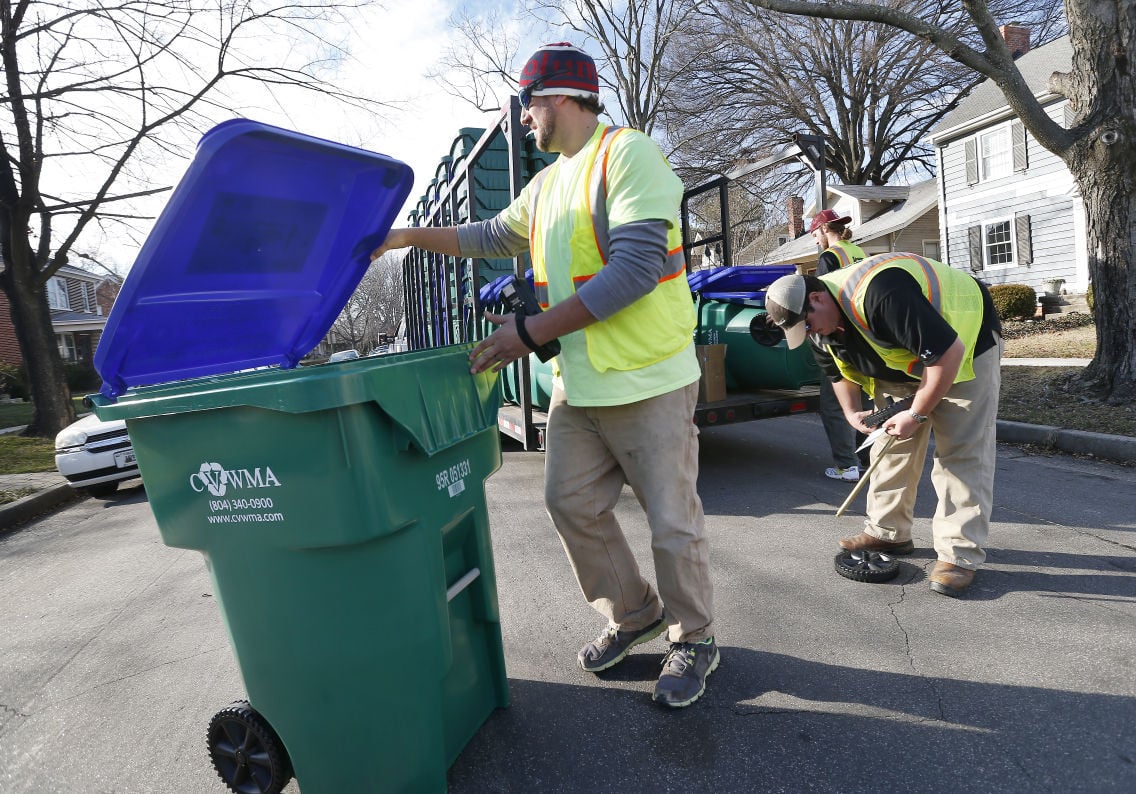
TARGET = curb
x,y
15,513
1121,449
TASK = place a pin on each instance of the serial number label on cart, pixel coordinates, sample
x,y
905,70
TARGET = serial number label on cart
x,y
452,480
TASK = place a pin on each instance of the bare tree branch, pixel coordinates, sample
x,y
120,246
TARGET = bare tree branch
x,y
99,95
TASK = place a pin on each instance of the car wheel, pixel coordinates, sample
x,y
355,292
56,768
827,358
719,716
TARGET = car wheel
x,y
246,752
102,490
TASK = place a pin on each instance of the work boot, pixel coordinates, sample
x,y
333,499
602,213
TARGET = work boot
x,y
950,580
612,647
686,667
866,542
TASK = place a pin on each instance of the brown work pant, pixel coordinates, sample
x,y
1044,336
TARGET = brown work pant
x,y
652,445
964,424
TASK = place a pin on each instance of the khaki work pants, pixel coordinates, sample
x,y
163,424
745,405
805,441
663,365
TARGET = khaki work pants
x,y
652,445
964,424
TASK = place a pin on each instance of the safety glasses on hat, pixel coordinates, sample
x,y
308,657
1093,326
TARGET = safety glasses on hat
x,y
525,94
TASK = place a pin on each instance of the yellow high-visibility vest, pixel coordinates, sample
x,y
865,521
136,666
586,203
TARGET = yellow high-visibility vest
x,y
653,328
952,292
845,252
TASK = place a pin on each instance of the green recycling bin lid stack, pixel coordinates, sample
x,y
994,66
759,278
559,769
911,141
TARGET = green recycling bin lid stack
x,y
253,257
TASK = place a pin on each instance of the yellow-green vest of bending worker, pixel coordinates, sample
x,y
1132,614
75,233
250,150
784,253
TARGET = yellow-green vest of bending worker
x,y
657,325
952,293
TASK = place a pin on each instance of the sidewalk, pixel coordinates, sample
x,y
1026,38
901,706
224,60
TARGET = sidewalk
x,y
53,490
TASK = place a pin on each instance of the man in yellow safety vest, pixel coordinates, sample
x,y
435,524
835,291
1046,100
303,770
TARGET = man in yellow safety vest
x,y
900,325
601,224
833,237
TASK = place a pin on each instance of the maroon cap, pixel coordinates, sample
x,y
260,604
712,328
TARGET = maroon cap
x,y
561,69
827,216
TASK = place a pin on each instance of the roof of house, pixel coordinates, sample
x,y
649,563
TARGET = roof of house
x,y
67,320
872,192
78,272
916,201
1036,67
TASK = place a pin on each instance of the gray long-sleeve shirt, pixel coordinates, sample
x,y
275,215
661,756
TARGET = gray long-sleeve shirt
x,y
636,263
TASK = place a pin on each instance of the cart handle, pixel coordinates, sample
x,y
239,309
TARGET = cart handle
x,y
455,589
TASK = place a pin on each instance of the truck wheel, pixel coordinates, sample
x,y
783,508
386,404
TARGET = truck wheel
x,y
246,752
866,566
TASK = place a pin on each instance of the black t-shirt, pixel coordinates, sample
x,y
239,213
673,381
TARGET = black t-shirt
x,y
900,316
827,262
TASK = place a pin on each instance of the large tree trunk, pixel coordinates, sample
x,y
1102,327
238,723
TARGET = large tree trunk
x,y
1110,210
47,382
1103,164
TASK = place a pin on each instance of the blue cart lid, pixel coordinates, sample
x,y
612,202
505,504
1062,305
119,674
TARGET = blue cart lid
x,y
258,249
743,278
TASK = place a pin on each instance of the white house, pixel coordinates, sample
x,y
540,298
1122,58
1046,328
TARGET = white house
x,y
1009,209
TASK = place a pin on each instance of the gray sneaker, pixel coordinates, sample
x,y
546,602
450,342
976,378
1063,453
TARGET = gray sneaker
x,y
686,667
612,647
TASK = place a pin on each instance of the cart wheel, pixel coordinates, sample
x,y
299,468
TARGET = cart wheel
x,y
765,334
866,566
246,752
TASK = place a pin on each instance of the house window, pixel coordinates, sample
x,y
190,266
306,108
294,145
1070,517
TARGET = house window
x,y
57,293
998,244
996,154
66,343
931,249
1001,243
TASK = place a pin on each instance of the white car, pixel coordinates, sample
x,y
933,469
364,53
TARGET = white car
x,y
95,456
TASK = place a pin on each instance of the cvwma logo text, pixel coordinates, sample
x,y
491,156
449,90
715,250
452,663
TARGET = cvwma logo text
x,y
217,480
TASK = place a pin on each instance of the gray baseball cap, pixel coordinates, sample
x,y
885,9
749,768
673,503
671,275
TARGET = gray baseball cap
x,y
785,301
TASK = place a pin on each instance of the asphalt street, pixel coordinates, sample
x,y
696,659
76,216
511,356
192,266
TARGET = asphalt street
x,y
114,656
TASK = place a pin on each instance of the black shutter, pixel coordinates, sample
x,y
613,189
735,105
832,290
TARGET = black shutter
x,y
1023,239
971,149
975,233
1021,155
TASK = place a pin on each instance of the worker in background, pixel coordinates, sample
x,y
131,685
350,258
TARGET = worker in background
x,y
832,236
900,325
602,226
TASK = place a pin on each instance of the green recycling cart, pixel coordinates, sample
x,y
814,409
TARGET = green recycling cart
x,y
340,508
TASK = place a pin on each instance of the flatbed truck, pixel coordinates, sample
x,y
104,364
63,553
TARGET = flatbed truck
x,y
444,295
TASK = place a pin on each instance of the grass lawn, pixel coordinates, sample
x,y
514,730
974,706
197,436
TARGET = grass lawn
x,y
16,414
19,455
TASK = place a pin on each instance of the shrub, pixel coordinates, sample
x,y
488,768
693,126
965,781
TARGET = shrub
x,y
1090,300
1014,301
13,381
82,378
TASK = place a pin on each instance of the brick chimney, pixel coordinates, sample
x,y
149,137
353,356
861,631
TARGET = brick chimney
x,y
796,217
1017,38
